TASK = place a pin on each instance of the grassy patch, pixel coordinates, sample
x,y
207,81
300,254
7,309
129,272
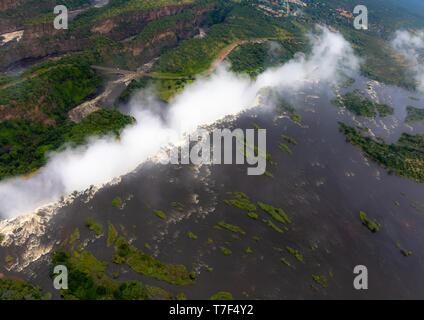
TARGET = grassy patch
x,y
241,200
230,227
88,279
295,253
371,224
273,226
160,214
191,235
359,105
248,250
277,214
225,251
149,266
405,252
117,203
9,260
402,158
321,280
112,234
93,226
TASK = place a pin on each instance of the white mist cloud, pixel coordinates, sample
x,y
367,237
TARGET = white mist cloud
x,y
204,102
411,46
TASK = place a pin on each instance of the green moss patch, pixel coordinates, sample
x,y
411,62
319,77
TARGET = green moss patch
x,y
230,227
93,226
112,234
277,214
225,251
117,202
149,266
372,225
160,214
191,235
295,253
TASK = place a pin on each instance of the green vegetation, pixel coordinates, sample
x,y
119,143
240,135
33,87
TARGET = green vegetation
x,y
51,89
277,214
112,234
249,58
359,105
149,266
405,253
241,201
230,227
255,58
412,141
119,7
273,226
225,251
414,115
93,226
285,148
222,296
195,56
289,140
253,215
25,144
283,107
2,236
295,253
75,236
34,112
248,250
9,260
406,158
160,214
117,202
191,235
321,280
16,289
88,279
162,25
372,225
21,15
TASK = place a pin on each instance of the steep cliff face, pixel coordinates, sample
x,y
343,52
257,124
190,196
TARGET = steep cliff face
x,y
41,40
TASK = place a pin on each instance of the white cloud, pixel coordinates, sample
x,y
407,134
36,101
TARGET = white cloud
x,y
204,102
411,46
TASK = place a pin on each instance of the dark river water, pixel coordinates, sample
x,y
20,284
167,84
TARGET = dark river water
x,y
322,186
